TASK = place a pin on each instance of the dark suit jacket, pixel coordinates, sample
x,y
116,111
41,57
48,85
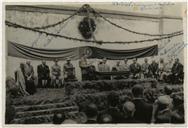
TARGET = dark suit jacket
x,y
43,71
143,111
135,69
153,68
177,68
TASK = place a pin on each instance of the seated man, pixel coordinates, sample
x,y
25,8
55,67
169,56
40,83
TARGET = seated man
x,y
69,71
117,68
104,67
177,72
168,71
43,74
56,74
145,68
153,69
135,69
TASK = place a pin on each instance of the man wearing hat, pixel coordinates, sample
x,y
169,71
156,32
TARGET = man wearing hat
x,y
68,71
161,110
56,74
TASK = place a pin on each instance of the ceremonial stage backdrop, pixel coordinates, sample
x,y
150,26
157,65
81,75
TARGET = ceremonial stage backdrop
x,y
22,51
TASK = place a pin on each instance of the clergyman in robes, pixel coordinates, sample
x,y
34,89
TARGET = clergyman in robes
x,y
29,77
20,80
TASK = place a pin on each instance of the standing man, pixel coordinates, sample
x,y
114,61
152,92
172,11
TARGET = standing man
x,y
56,74
29,77
125,68
104,67
43,74
145,68
135,69
83,63
117,68
125,65
168,70
68,71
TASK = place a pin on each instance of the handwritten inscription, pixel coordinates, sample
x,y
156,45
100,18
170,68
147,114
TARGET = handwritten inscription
x,y
143,6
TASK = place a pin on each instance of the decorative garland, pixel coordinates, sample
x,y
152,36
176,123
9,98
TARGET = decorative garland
x,y
131,31
10,24
59,22
86,7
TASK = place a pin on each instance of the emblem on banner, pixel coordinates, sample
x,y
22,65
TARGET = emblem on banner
x,y
88,51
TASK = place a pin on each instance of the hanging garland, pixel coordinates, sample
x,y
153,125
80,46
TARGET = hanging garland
x,y
131,31
10,24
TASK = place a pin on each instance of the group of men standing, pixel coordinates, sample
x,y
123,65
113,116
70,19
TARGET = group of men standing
x,y
56,80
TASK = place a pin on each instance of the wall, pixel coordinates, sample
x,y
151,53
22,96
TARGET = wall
x,y
104,32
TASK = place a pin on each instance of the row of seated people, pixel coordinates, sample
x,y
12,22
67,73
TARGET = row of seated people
x,y
168,72
165,109
161,71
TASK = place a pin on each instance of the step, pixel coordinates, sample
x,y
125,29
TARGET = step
x,y
46,111
43,106
40,119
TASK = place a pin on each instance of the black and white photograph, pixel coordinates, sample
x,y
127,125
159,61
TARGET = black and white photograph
x,y
95,63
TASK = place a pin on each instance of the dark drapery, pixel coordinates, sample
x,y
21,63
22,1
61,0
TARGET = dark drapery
x,y
22,51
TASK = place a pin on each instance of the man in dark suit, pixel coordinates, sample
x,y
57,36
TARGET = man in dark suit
x,y
43,74
135,69
177,71
143,111
153,69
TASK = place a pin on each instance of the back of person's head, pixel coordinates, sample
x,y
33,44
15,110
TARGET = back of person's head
x,y
69,121
105,119
137,90
129,109
58,118
163,102
168,90
113,99
91,110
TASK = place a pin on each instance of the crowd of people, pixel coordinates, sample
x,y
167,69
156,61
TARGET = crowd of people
x,y
24,76
167,108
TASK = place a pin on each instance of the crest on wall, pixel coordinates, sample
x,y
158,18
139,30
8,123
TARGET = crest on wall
x,y
86,27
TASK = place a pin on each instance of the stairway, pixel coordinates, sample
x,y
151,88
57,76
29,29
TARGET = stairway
x,y
43,113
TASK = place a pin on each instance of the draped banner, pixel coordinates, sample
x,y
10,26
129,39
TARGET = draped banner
x,y
22,51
